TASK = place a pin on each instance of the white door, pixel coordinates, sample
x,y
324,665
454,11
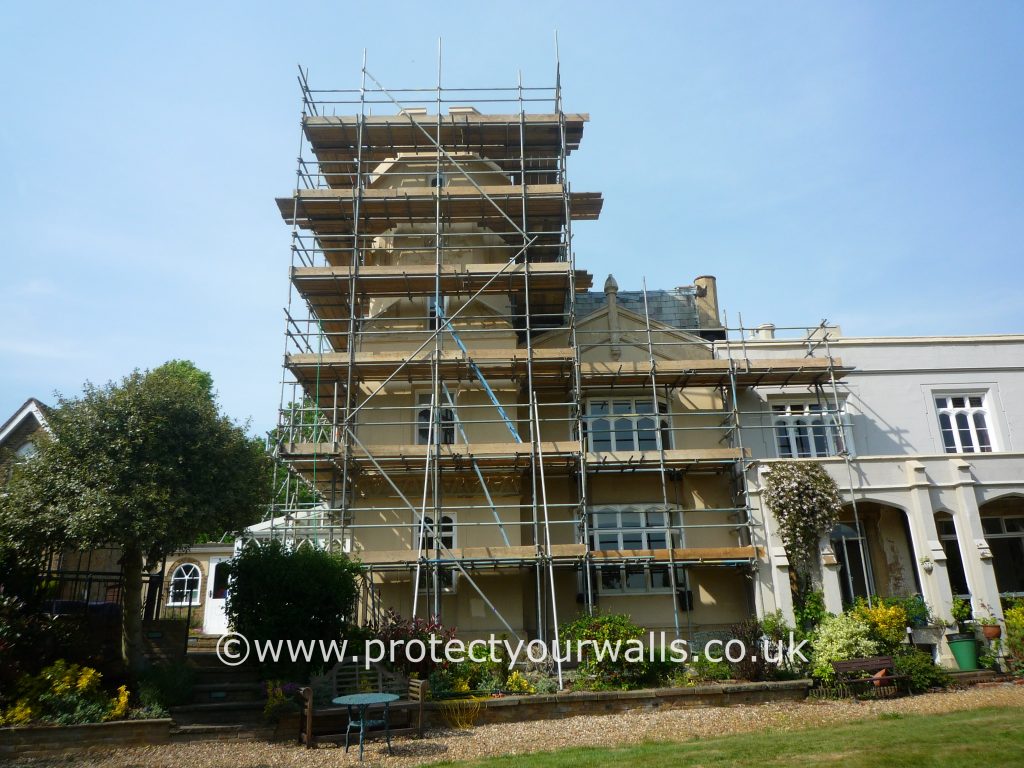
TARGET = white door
x,y
215,620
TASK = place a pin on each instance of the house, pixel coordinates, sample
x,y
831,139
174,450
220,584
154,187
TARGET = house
x,y
188,584
923,438
500,446
87,576
504,448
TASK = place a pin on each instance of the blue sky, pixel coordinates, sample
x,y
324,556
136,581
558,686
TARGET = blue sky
x,y
860,162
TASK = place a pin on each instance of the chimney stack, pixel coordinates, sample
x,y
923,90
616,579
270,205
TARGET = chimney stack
x,y
707,301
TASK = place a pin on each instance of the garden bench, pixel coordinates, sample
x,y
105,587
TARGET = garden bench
x,y
851,674
330,723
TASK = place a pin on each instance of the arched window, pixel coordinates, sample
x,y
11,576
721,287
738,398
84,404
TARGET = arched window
x,y
185,582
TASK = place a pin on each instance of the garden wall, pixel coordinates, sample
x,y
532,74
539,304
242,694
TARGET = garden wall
x,y
518,708
510,709
49,740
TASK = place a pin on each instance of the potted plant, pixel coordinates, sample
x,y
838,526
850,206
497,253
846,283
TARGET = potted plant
x,y
962,644
925,628
990,627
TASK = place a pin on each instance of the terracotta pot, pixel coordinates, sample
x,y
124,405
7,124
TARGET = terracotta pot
x,y
991,631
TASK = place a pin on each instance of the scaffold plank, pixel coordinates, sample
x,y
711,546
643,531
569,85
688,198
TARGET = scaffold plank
x,y
713,373
328,211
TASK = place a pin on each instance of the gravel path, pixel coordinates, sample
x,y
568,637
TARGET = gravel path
x,y
516,738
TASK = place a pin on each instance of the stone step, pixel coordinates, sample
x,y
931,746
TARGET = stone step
x,y
207,693
243,713
220,732
977,677
204,659
202,642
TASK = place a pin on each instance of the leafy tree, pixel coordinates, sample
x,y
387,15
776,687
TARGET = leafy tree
x,y
284,593
146,464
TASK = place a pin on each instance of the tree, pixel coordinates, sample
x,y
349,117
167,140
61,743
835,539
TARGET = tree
x,y
283,593
146,464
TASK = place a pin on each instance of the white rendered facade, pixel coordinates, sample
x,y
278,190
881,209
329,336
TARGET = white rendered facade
x,y
933,430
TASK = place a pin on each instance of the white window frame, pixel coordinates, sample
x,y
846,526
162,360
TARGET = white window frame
x,y
943,401
449,573
818,426
604,538
662,422
421,402
196,591
26,451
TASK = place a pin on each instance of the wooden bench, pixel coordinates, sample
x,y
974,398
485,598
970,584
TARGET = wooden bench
x,y
330,723
862,673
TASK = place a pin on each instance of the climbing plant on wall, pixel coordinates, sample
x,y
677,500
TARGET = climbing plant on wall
x,y
805,502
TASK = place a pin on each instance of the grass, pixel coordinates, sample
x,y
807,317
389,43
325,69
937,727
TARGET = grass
x,y
989,736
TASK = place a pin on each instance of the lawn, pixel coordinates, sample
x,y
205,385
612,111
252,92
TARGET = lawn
x,y
989,736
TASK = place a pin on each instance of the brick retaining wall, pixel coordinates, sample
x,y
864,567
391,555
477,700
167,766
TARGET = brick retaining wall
x,y
50,740
518,708
510,709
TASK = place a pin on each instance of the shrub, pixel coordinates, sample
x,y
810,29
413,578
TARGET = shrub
x,y
166,685
961,612
922,673
918,613
450,680
393,628
607,673
280,699
280,593
756,665
65,694
840,638
888,623
701,670
753,666
1014,618
28,641
810,610
517,683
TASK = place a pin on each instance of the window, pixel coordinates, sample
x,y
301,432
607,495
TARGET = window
x,y
806,430
446,573
1005,537
954,562
624,528
184,585
851,548
963,422
627,424
447,532
433,314
446,430
26,451
437,180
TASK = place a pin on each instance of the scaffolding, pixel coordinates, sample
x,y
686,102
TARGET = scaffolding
x,y
441,384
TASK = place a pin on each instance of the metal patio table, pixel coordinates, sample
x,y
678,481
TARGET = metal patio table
x,y
362,702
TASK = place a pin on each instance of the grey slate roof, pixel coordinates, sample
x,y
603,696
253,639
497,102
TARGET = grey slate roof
x,y
675,307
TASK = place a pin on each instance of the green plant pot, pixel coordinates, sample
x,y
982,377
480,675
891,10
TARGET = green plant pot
x,y
965,651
